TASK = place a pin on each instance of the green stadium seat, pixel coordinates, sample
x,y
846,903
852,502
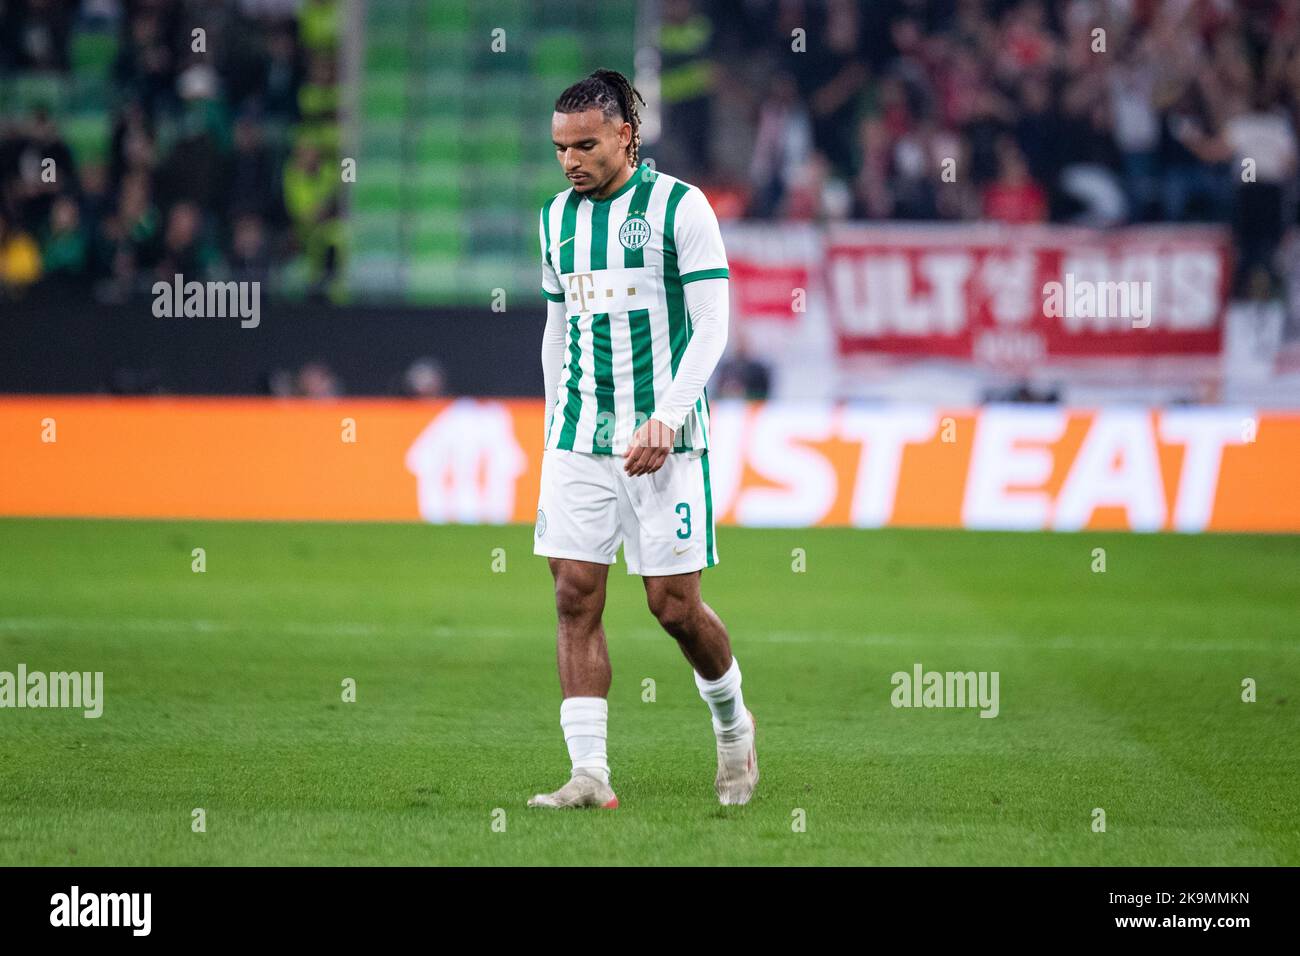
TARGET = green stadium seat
x,y
377,195
382,141
444,241
384,93
497,88
88,92
442,139
545,183
92,53
433,192
437,280
386,55
375,234
557,55
88,136
443,84
28,91
494,145
448,15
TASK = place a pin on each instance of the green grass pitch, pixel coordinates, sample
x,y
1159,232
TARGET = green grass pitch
x,y
1118,690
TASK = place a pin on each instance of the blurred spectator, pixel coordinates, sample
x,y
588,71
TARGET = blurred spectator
x,y
1191,188
1014,196
311,197
65,249
185,250
283,75
1022,392
782,145
318,103
250,253
20,258
145,66
254,180
123,380
1259,143
128,235
1132,84
740,375
319,25
686,80
133,145
425,378
34,34
806,200
36,166
193,170
830,76
317,380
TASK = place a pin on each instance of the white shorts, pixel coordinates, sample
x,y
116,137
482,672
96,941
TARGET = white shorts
x,y
588,505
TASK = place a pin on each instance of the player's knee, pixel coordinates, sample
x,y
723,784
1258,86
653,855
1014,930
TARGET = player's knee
x,y
673,612
577,596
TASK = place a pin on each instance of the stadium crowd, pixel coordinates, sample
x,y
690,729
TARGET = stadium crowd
x,y
221,144
1098,112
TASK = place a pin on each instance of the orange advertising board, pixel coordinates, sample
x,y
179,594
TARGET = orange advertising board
x,y
773,464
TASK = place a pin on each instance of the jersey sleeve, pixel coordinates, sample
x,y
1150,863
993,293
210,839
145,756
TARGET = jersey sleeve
x,y
700,253
550,280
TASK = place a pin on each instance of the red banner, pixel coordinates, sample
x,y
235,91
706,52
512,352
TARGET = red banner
x,y
1025,294
767,291
994,294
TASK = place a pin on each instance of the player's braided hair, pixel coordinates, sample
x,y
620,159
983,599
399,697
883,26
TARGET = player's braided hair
x,y
614,95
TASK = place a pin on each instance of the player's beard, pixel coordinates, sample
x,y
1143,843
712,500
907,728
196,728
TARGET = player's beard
x,y
593,187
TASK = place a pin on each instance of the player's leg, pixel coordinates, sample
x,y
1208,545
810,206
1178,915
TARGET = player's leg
x,y
669,539
583,659
674,541
577,529
676,603
581,651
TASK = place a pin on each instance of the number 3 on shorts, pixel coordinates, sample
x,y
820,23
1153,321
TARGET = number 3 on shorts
x,y
683,510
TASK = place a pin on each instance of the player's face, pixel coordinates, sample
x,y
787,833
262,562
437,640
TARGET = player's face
x,y
591,149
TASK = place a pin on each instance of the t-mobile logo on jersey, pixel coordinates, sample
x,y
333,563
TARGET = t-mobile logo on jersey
x,y
583,291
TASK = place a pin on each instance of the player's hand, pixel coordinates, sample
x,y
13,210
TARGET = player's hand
x,y
649,448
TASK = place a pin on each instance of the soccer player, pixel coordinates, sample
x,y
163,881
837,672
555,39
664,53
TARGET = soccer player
x,y
635,277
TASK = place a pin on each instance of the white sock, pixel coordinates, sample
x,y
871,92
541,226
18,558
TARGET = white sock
x,y
725,701
584,720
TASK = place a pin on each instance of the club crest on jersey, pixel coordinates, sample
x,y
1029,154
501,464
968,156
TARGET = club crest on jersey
x,y
634,233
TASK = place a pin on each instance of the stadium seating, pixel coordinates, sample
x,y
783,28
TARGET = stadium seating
x,y
453,139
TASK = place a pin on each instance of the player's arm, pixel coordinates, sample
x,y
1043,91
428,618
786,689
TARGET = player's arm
x,y
553,335
702,261
708,302
552,353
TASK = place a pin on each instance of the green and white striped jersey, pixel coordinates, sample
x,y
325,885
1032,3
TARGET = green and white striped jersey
x,y
620,266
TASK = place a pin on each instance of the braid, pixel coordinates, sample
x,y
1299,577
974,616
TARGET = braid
x,y
614,95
